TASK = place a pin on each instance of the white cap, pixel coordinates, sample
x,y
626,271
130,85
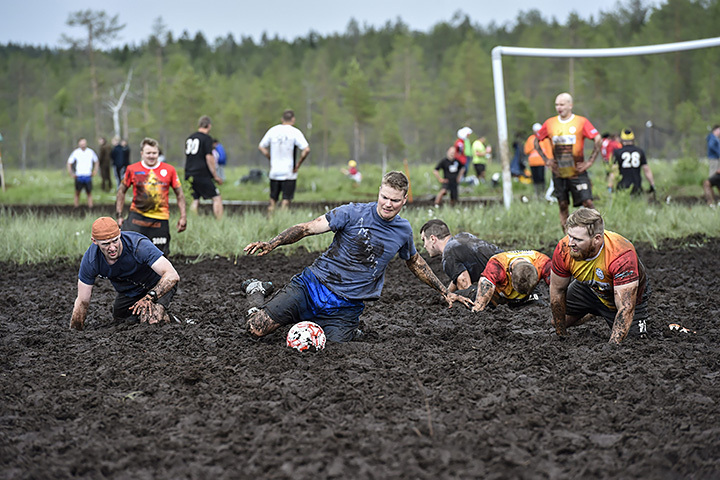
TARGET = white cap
x,y
536,127
464,132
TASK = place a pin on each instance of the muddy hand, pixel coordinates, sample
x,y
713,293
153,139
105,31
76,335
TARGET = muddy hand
x,y
261,248
142,307
450,298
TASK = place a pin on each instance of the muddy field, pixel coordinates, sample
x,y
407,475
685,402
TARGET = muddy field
x,y
433,393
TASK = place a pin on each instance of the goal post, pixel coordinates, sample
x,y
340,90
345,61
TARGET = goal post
x,y
499,83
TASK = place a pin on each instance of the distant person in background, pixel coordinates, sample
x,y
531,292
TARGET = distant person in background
x,y
462,139
126,151
453,172
200,168
352,172
479,150
628,161
464,256
82,165
568,133
104,162
713,152
608,145
152,180
118,160
536,162
220,157
280,145
713,149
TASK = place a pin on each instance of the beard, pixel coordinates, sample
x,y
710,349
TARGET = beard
x,y
580,254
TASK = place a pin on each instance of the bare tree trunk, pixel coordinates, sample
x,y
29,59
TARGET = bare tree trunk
x,y
94,83
356,146
115,107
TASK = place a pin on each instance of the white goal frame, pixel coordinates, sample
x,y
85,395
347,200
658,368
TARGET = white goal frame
x,y
498,82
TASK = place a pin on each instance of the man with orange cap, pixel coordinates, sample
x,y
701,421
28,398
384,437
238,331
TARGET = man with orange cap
x,y
144,279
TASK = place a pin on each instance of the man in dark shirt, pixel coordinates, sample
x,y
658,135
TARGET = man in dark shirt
x,y
630,159
464,256
453,172
201,168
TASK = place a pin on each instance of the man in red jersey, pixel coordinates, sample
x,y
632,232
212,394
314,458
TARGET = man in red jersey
x,y
568,132
150,208
597,272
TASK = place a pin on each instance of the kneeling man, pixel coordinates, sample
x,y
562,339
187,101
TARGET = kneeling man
x,y
597,272
145,281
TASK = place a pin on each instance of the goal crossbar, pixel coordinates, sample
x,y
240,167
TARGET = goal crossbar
x,y
499,85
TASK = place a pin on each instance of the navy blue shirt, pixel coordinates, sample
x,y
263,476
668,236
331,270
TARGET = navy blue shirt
x,y
131,274
354,265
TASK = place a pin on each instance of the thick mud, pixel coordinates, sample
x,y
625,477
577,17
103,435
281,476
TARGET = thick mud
x,y
432,393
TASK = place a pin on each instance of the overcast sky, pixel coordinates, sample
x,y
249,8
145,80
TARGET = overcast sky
x,y
38,22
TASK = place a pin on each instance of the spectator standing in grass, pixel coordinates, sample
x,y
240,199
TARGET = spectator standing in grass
x,y
82,165
568,133
452,175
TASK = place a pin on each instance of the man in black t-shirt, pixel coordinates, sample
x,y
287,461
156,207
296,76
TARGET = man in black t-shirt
x,y
464,256
200,167
453,172
630,159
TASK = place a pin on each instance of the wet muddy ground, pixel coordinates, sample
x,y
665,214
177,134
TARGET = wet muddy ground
x,y
433,393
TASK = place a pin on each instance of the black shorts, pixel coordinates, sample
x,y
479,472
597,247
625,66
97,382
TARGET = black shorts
x,y
581,300
579,187
123,304
287,187
83,184
538,175
203,187
452,187
158,231
715,180
479,169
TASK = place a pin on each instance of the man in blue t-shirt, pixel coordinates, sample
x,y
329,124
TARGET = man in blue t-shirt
x,y
331,291
145,281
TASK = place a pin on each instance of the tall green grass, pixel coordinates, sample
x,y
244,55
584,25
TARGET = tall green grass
x,y
315,184
28,239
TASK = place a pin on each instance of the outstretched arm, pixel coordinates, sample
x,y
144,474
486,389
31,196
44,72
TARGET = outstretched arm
x,y
419,267
79,313
291,235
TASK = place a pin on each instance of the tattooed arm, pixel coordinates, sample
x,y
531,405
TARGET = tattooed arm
x,y
291,235
558,294
419,267
484,294
625,297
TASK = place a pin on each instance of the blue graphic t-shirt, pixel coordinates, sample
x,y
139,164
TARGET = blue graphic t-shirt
x,y
354,264
132,274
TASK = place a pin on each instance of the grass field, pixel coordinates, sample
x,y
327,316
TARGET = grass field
x,y
25,238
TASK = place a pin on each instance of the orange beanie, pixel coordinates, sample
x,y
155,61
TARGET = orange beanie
x,y
105,228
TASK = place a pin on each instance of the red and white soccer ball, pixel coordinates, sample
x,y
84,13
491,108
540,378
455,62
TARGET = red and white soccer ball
x,y
306,337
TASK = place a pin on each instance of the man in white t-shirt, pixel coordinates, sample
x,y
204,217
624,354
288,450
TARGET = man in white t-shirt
x,y
82,165
280,145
